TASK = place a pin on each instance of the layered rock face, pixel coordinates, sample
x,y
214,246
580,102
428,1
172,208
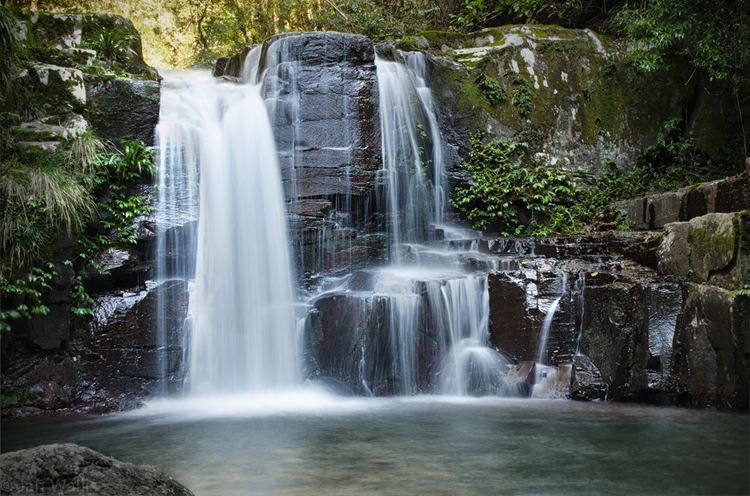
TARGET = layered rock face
x,y
322,95
75,470
628,332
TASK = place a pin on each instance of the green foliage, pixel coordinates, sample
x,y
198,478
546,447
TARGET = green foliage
x,y
522,97
46,194
8,49
713,35
28,291
513,194
84,151
510,191
114,45
41,194
491,89
476,14
671,163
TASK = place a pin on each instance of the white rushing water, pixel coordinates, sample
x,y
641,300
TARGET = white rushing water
x,y
241,308
417,65
426,284
217,150
408,194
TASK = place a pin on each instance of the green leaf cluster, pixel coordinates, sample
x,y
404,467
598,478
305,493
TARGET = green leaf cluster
x,y
491,89
510,191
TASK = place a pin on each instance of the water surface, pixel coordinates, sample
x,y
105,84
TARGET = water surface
x,y
313,444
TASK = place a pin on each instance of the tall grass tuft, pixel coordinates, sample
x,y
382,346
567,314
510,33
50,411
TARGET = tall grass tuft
x,y
38,199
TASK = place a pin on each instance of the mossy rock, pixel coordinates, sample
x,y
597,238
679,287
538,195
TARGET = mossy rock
x,y
69,39
711,249
575,90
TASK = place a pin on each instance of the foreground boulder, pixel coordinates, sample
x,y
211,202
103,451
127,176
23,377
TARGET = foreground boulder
x,y
74,470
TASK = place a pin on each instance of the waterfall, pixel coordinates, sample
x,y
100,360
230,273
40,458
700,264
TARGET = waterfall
x,y
437,308
176,210
469,366
541,354
417,65
241,305
408,195
231,155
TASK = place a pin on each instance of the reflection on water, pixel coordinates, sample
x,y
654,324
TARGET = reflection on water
x,y
316,444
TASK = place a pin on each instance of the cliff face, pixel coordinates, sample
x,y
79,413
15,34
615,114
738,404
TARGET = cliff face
x,y
82,74
573,92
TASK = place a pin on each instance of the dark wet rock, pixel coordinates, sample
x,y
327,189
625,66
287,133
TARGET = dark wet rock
x,y
328,142
346,339
309,208
75,470
119,268
333,148
664,306
48,331
514,325
124,109
615,335
586,381
519,301
125,356
711,348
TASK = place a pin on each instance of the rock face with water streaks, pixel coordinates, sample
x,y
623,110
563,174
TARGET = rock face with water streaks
x,y
629,333
75,470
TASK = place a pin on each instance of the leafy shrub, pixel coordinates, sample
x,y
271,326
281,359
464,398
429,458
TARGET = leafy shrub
x,y
510,191
513,194
114,45
491,89
30,290
522,97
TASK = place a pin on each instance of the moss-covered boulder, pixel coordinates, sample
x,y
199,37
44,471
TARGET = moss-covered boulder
x,y
90,64
93,43
711,249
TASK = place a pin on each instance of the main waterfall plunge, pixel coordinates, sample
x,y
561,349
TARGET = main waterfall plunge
x,y
241,309
418,324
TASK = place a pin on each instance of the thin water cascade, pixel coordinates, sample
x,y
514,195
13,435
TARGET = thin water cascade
x,y
457,303
241,306
177,211
469,365
408,195
417,65
547,324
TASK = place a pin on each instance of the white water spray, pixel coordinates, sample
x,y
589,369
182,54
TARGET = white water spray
x,y
241,310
